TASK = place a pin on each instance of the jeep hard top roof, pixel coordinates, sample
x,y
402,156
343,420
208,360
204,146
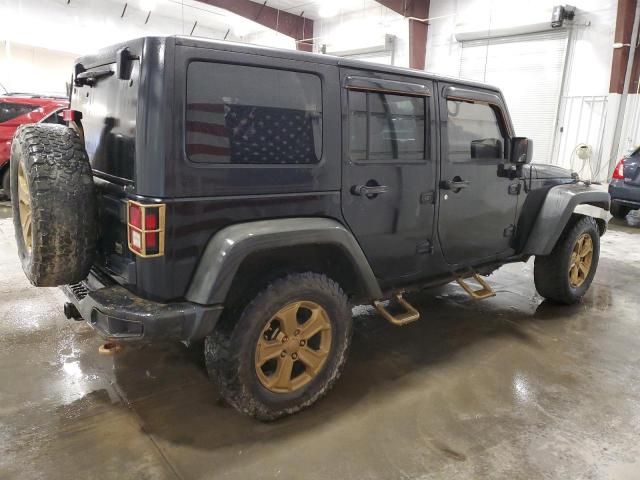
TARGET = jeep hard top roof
x,y
137,46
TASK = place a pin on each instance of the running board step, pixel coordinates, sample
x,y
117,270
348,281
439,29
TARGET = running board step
x,y
485,292
410,314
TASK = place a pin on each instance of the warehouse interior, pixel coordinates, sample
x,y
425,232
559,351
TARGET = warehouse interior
x,y
509,387
574,74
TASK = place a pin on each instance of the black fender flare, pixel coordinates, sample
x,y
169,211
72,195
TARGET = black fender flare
x,y
561,202
228,248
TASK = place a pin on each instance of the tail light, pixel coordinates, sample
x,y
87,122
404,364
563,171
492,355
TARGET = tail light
x,y
145,229
618,172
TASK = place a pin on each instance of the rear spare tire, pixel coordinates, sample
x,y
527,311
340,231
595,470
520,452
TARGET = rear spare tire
x,y
54,204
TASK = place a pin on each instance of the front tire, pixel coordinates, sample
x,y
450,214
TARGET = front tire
x,y
564,276
286,349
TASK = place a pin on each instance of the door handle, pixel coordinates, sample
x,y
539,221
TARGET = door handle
x,y
369,190
456,184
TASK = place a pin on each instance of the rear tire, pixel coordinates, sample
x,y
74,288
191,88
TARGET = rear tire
x,y
252,384
553,272
619,211
54,204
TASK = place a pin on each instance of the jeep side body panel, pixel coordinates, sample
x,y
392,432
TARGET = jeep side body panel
x,y
231,246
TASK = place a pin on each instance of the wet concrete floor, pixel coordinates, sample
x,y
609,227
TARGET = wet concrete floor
x,y
509,388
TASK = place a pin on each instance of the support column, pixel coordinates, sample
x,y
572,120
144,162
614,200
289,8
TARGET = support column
x,y
624,30
418,29
634,85
622,68
297,27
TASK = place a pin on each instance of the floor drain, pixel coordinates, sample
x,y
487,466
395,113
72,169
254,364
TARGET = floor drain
x,y
109,348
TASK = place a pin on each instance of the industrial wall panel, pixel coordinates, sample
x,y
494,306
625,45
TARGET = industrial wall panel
x,y
528,68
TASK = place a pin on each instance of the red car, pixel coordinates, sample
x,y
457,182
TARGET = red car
x,y
17,109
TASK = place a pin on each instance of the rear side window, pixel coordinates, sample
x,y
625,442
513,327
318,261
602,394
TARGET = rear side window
x,y
252,115
9,111
473,132
386,127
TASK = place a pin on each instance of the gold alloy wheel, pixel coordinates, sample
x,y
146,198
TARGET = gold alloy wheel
x,y
293,347
581,258
24,203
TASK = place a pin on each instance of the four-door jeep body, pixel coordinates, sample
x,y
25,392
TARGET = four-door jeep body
x,y
250,196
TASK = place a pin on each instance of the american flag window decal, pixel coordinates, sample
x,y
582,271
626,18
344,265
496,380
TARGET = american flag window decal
x,y
252,115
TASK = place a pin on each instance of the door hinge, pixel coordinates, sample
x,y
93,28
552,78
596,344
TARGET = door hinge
x,y
427,197
509,231
425,247
514,189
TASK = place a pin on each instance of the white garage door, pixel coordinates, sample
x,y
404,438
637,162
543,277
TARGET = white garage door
x,y
528,69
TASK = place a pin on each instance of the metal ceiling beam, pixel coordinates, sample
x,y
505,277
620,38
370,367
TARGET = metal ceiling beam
x,y
297,27
417,11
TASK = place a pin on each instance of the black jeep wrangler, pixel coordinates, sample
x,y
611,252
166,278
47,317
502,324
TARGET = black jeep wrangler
x,y
250,196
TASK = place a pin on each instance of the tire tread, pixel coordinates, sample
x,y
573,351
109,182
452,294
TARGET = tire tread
x,y
63,204
550,272
225,359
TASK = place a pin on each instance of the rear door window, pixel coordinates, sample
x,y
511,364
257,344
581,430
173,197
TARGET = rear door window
x,y
9,111
252,115
386,127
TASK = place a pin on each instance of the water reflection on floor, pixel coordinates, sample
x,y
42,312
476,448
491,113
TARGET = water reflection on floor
x,y
511,387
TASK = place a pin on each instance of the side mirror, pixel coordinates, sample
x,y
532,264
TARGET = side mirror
x,y
521,150
486,148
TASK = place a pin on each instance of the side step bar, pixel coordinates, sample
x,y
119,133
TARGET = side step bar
x,y
410,315
480,294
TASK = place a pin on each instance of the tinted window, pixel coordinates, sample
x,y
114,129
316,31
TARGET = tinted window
x,y
240,114
358,125
13,110
386,126
473,132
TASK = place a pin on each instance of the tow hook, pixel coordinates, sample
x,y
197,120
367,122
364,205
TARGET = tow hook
x,y
109,348
71,311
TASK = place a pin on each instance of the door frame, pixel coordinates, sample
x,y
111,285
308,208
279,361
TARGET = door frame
x,y
448,90
365,80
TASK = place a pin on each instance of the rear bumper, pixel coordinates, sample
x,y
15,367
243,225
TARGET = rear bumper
x,y
119,315
626,203
624,194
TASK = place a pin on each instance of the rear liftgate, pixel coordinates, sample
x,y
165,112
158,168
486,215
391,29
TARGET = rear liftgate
x,y
411,314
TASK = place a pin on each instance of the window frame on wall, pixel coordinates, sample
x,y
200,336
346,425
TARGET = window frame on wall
x,y
426,132
318,137
503,126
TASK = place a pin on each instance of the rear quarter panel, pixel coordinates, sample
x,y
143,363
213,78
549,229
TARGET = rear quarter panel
x,y
201,199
